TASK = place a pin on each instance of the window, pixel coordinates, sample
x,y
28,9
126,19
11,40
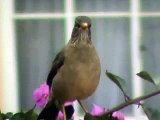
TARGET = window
x,y
124,32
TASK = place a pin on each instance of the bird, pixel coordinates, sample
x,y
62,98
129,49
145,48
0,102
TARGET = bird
x,y
75,72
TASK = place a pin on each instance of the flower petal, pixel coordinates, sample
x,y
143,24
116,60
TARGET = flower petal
x,y
60,115
97,110
41,94
45,88
119,115
37,95
68,103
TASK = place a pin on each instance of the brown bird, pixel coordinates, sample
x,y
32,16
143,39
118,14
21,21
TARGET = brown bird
x,y
75,72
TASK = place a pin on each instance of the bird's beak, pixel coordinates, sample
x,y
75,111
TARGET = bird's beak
x,y
84,25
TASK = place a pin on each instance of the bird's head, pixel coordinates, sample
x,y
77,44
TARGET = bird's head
x,y
81,31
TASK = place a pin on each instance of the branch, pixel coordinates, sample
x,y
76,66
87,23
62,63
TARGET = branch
x,y
132,101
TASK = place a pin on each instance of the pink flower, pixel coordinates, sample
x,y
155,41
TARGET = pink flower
x,y
119,115
60,115
68,103
41,95
97,110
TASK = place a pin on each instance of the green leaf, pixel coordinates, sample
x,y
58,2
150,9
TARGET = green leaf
x,y
146,76
151,113
102,117
31,115
3,116
89,117
119,82
157,82
9,114
18,116
0,115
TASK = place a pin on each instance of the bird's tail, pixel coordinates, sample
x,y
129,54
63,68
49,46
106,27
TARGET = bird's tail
x,y
51,110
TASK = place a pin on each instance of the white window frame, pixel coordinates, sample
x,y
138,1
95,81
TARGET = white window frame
x,y
9,80
8,62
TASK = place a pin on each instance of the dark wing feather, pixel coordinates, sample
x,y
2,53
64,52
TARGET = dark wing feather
x,y
48,111
57,63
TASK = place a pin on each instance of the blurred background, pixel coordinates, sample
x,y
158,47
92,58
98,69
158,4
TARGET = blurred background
x,y
125,33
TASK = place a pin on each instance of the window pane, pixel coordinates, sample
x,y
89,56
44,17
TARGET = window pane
x,y
101,5
37,44
111,38
29,6
150,5
151,57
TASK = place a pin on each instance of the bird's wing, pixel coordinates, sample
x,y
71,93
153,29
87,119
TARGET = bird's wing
x,y
51,111
56,65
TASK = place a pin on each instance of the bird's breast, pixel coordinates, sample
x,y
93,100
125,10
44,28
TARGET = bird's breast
x,y
80,74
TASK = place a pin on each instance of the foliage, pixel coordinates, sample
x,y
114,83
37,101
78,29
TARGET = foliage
x,y
29,115
146,76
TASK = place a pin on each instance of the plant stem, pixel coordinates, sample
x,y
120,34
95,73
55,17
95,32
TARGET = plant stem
x,y
132,101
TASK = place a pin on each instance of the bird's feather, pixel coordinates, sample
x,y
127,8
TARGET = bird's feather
x,y
51,110
56,65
